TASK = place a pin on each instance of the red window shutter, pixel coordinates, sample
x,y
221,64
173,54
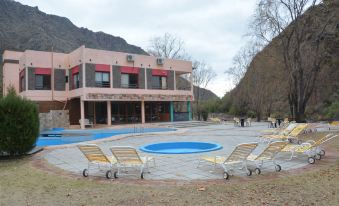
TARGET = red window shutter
x,y
75,70
102,68
159,72
129,70
45,71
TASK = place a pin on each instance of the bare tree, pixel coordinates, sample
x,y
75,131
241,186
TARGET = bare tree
x,y
242,60
289,21
203,74
167,46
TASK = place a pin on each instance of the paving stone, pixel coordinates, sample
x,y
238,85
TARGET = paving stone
x,y
180,167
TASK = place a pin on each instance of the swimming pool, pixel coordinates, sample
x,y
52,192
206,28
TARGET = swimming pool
x,y
180,147
61,137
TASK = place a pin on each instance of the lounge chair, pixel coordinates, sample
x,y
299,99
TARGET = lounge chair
x,y
248,122
238,156
290,135
86,122
312,148
268,154
96,157
128,157
236,121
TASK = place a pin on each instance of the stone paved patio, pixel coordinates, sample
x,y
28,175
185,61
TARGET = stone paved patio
x,y
177,167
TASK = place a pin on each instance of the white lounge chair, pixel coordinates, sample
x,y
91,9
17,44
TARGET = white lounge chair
x,y
127,157
96,157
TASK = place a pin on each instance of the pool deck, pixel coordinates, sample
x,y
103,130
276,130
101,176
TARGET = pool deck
x,y
176,166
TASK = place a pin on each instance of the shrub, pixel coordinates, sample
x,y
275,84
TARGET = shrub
x,y
332,112
19,124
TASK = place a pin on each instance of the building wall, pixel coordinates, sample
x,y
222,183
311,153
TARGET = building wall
x,y
10,76
149,78
46,106
59,79
170,80
90,75
116,76
31,78
73,106
141,78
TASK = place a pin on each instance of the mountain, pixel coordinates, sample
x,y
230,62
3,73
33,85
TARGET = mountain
x,y
263,89
23,27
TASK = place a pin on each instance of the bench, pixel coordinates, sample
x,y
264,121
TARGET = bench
x,y
86,122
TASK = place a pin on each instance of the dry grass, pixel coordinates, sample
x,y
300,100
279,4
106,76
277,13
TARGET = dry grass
x,y
22,184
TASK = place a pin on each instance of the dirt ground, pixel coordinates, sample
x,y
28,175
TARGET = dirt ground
x,y
24,184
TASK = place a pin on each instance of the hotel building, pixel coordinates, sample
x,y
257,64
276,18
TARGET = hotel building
x,y
104,87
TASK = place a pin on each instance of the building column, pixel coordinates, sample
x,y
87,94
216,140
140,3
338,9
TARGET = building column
x,y
189,110
82,114
143,112
109,114
171,111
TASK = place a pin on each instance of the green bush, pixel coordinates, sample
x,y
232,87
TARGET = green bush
x,y
19,124
332,112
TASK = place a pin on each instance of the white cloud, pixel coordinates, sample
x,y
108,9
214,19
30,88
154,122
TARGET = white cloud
x,y
212,30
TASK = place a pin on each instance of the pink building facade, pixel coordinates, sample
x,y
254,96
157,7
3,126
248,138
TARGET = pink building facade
x,y
104,87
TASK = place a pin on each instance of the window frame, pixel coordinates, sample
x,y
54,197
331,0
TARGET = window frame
x,y
45,85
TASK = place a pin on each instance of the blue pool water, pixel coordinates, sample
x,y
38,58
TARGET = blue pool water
x,y
180,147
60,137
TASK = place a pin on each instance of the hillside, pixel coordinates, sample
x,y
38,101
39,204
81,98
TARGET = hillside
x,y
23,27
263,89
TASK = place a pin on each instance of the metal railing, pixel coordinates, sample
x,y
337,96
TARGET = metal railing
x,y
159,87
130,86
102,84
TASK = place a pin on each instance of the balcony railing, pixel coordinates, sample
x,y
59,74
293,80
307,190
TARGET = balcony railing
x,y
102,84
159,87
130,86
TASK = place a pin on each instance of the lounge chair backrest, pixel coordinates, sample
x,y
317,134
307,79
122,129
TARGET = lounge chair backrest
x,y
324,139
125,155
298,130
241,152
271,150
93,153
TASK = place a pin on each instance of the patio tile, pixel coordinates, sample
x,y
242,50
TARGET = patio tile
x,y
182,166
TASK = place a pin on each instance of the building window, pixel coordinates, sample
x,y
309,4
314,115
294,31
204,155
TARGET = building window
x,y
76,82
42,82
22,83
159,82
102,79
129,81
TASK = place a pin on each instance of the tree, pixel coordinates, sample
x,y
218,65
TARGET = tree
x,y
242,60
202,76
303,49
19,128
167,46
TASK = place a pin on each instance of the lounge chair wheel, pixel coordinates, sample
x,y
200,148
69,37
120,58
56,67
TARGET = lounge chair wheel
x,y
226,176
142,175
85,172
322,152
317,157
109,174
257,171
249,172
115,174
311,160
277,168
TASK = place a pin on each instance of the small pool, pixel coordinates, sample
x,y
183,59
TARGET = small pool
x,y
61,137
180,147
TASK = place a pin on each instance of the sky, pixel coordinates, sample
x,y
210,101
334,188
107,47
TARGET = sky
x,y
213,30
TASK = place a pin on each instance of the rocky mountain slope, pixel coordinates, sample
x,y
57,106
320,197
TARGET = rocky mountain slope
x,y
263,89
23,27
